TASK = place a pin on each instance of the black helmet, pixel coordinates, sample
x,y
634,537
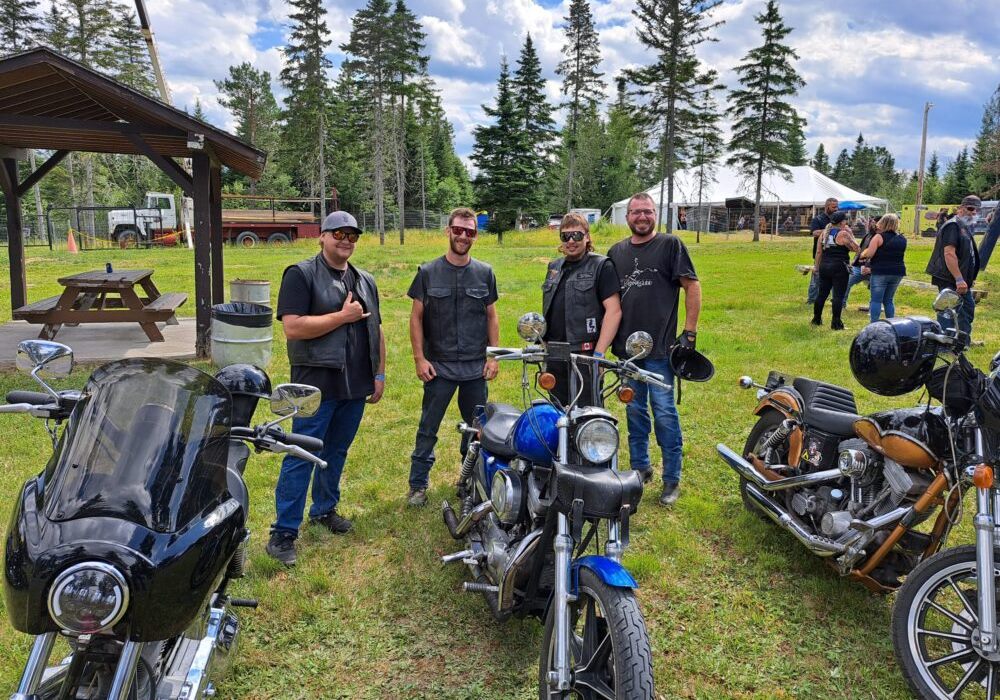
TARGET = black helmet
x,y
247,384
693,366
891,357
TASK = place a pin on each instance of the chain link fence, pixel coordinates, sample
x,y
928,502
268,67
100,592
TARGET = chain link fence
x,y
33,227
412,219
93,228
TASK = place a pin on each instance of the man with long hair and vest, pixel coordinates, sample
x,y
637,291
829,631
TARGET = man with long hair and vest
x,y
653,269
582,308
954,263
330,312
452,321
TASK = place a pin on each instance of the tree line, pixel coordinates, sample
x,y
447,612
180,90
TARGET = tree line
x,y
377,131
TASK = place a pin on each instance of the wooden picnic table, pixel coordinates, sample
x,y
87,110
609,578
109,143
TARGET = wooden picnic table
x,y
104,297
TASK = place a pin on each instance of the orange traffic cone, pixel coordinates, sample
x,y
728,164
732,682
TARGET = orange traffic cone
x,y
71,242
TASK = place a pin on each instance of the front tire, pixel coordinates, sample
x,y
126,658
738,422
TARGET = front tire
x,y
609,646
933,620
762,429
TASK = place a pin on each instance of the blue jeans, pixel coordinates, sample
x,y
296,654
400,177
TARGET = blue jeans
x,y
666,423
336,423
883,294
851,281
989,241
438,393
966,311
813,288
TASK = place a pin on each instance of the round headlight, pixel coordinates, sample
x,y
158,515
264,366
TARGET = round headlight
x,y
597,440
88,597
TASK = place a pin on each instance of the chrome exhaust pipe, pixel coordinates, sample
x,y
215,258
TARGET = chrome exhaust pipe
x,y
459,529
747,471
819,546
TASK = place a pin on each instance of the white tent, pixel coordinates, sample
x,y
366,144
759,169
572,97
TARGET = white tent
x,y
807,187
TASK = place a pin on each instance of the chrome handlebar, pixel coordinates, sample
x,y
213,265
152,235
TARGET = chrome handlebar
x,y
535,353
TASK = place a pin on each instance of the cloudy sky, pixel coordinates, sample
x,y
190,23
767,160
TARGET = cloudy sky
x,y
869,64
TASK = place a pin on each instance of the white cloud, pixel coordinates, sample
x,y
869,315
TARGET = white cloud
x,y
452,43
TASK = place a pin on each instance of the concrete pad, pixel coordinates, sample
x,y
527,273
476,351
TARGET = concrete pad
x,y
96,343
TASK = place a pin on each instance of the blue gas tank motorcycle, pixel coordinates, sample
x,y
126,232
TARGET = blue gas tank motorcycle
x,y
534,489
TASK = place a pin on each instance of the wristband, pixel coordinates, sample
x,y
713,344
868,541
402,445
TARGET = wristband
x,y
379,377
959,280
598,354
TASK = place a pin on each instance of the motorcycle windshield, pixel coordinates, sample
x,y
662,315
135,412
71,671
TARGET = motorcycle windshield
x,y
147,443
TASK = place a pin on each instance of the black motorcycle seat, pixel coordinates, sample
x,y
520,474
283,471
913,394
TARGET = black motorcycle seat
x,y
827,407
495,435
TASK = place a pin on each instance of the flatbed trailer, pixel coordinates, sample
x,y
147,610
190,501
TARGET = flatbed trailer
x,y
273,225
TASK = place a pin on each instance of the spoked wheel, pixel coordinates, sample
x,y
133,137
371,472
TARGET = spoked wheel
x,y
761,431
609,646
934,622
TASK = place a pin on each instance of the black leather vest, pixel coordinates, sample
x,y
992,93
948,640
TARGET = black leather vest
x,y
455,327
965,251
328,295
584,311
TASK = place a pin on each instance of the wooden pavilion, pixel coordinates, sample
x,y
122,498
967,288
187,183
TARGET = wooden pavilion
x,y
52,103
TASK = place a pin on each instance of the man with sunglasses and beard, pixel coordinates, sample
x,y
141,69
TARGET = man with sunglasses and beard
x,y
330,313
955,263
452,321
581,305
653,269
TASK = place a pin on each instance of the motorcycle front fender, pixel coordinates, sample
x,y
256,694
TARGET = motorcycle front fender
x,y
608,570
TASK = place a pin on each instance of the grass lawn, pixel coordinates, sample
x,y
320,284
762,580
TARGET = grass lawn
x,y
735,609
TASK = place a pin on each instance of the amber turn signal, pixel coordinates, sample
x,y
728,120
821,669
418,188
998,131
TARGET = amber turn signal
x,y
626,394
983,476
547,381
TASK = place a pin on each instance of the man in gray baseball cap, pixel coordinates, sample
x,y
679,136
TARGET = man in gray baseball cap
x,y
330,312
954,263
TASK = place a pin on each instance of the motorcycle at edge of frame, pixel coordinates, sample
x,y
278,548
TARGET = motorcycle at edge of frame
x,y
534,488
125,544
855,489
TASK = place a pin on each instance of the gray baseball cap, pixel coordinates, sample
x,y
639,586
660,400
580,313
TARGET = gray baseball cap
x,y
339,219
972,201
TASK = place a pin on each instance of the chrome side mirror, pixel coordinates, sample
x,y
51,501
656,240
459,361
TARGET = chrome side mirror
x,y
532,327
947,299
638,345
44,358
747,383
295,400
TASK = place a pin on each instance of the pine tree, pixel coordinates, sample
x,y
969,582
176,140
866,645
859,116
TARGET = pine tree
x,y
956,179
20,26
842,167
90,39
797,144
246,93
505,178
132,66
932,181
582,82
669,87
986,153
199,111
370,53
707,146
307,102
764,120
820,161
864,170
55,33
535,122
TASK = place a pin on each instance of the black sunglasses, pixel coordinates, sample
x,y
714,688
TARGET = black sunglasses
x,y
577,236
463,231
340,234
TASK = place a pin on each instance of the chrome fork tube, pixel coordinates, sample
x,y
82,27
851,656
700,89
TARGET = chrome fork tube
x,y
613,547
125,672
35,666
559,677
984,523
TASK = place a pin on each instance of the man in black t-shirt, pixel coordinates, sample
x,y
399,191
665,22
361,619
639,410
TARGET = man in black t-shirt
x,y
652,270
817,226
452,321
330,313
582,307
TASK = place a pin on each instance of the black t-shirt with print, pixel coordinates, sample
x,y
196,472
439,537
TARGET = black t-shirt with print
x,y
650,276
355,380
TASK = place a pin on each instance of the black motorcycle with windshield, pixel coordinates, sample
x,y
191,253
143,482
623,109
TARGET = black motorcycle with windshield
x,y
126,542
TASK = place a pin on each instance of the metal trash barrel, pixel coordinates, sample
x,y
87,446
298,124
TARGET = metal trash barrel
x,y
254,291
241,332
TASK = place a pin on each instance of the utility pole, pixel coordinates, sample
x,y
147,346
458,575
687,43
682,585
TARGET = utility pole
x,y
918,208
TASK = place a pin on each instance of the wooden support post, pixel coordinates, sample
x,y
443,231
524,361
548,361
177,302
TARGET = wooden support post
x,y
202,177
15,233
218,271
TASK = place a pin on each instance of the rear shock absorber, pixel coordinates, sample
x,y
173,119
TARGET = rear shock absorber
x,y
471,455
778,436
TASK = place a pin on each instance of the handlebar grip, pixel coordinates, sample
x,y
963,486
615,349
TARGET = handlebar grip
x,y
35,398
306,442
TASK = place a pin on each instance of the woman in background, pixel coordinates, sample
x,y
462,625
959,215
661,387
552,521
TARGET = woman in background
x,y
884,258
833,266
